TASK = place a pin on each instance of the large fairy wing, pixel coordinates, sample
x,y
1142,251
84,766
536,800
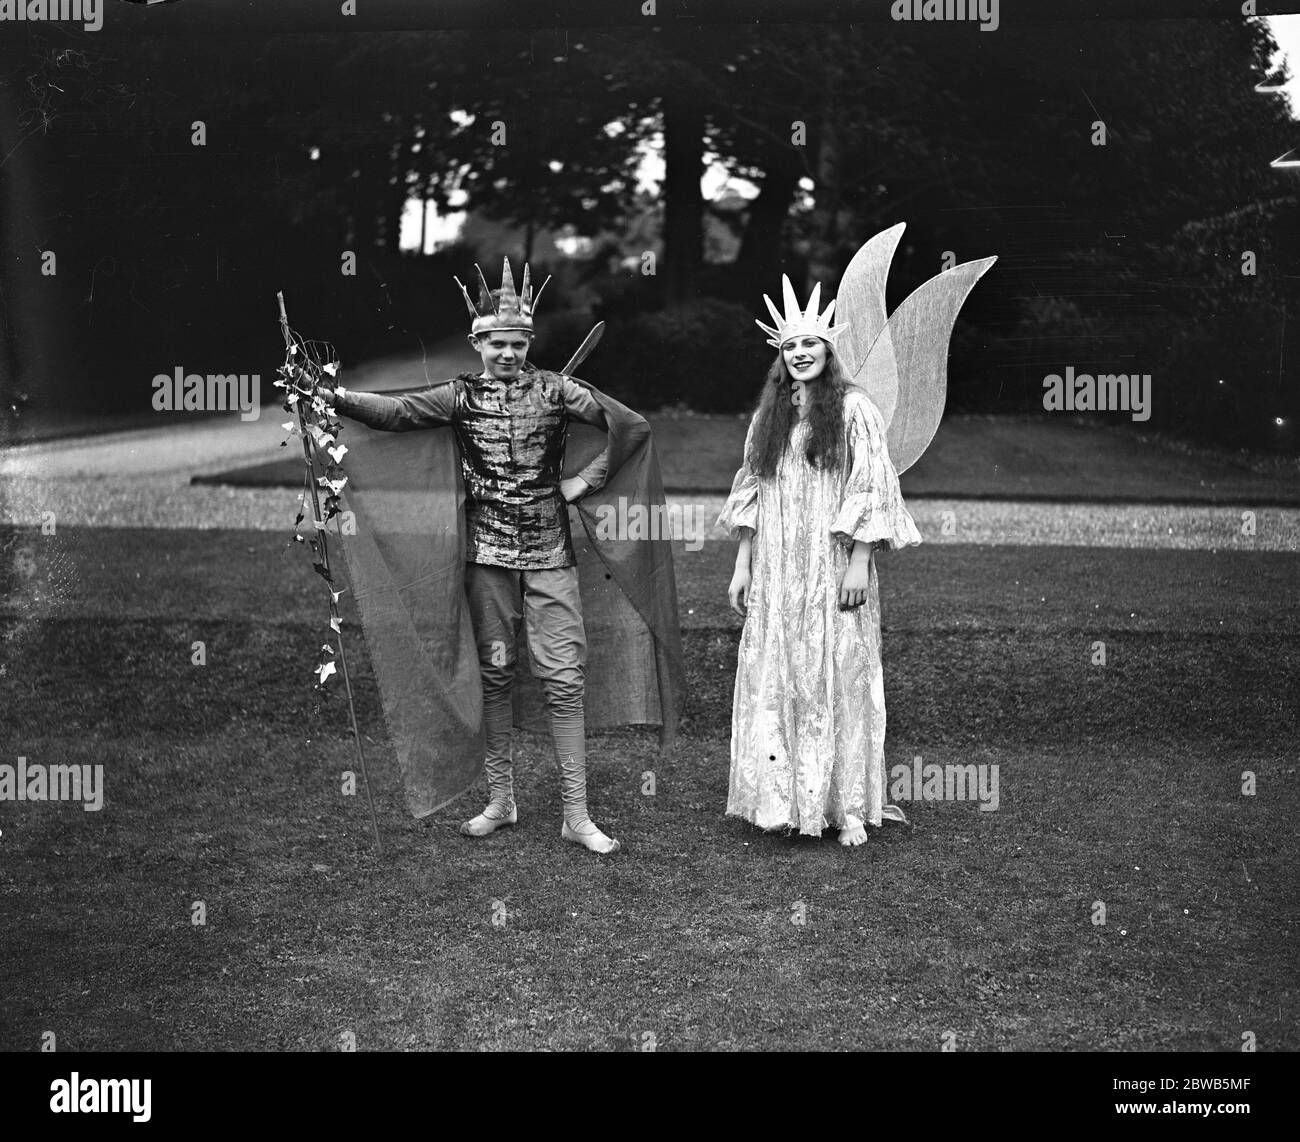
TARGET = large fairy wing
x,y
866,355
914,346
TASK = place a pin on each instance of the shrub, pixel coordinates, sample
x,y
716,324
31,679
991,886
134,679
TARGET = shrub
x,y
706,355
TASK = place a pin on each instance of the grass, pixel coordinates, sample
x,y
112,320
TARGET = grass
x,y
1118,783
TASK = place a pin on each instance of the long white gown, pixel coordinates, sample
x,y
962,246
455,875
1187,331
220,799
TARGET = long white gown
x,y
808,717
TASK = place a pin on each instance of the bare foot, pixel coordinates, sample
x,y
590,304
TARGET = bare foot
x,y
494,817
590,837
854,832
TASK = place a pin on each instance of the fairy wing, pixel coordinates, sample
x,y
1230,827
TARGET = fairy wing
x,y
866,347
902,363
919,331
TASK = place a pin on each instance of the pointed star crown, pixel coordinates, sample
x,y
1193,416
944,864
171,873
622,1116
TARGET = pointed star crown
x,y
510,310
796,322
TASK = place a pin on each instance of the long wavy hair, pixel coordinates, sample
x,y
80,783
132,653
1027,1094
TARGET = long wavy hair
x,y
775,417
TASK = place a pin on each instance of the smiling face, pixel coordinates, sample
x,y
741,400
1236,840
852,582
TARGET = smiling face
x,y
503,351
805,357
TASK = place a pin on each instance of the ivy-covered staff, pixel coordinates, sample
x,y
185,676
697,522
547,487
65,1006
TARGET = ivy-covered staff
x,y
300,374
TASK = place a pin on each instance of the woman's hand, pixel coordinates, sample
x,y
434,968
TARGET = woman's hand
x,y
854,584
738,592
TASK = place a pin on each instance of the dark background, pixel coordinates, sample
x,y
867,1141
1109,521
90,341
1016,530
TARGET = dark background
x,y
1125,257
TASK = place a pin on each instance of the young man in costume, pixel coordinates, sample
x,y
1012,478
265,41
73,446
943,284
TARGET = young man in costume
x,y
510,423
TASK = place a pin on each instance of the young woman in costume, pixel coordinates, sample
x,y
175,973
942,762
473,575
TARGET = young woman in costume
x,y
815,498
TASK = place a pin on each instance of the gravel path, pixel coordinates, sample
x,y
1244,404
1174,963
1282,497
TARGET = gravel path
x,y
141,478
170,501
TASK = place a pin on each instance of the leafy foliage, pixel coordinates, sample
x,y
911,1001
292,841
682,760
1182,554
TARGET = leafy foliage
x,y
702,355
1113,257
307,365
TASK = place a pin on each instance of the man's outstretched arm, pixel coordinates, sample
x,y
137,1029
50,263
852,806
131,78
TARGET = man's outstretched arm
x,y
427,408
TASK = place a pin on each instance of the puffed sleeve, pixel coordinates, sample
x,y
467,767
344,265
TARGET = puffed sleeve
x,y
741,508
873,509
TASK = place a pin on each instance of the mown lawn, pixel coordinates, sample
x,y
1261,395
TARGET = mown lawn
x,y
1119,783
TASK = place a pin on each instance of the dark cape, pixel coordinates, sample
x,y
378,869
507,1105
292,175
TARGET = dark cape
x,y
407,563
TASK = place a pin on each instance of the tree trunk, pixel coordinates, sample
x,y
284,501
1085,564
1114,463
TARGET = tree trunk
x,y
42,323
683,205
829,220
760,245
370,198
395,201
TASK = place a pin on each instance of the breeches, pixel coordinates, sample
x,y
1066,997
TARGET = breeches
x,y
548,604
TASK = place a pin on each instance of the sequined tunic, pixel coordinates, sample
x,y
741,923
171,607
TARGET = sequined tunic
x,y
808,713
512,438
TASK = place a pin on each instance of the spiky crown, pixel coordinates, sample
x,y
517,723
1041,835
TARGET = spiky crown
x,y
796,323
511,310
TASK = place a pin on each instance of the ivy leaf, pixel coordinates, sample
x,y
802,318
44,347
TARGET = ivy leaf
x,y
325,669
335,624
338,453
320,569
332,368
